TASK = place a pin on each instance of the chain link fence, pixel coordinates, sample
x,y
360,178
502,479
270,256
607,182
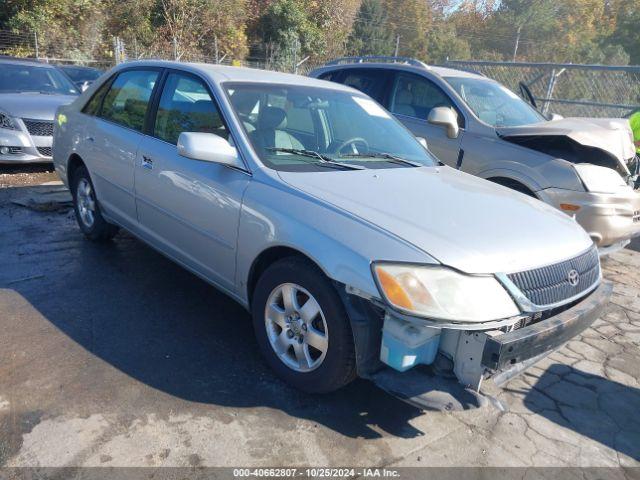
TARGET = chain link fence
x,y
568,89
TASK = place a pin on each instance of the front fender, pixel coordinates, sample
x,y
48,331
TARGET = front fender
x,y
517,172
342,245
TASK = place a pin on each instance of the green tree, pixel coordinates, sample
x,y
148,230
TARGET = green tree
x,y
532,17
370,34
286,26
627,29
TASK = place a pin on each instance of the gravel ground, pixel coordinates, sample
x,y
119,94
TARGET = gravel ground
x,y
111,355
34,174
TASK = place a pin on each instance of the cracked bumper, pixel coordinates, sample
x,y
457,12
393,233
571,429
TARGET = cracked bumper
x,y
507,350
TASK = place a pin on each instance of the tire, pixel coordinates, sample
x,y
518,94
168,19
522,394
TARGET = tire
x,y
320,371
87,209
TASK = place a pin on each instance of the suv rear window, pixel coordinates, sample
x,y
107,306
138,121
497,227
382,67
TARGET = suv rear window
x,y
369,81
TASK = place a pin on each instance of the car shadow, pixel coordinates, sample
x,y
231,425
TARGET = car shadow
x,y
596,407
146,316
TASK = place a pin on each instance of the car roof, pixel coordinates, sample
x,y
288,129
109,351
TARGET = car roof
x,y
438,70
24,61
226,73
78,67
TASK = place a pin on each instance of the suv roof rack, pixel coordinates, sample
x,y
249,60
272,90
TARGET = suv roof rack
x,y
378,59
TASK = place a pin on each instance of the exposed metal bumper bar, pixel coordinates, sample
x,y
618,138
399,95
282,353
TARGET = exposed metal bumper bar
x,y
505,351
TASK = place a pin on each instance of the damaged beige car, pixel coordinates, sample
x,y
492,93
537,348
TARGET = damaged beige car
x,y
585,167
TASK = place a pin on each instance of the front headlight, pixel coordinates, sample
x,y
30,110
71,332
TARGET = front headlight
x,y
7,122
443,294
599,179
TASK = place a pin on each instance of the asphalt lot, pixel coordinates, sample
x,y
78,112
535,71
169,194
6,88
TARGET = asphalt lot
x,y
111,355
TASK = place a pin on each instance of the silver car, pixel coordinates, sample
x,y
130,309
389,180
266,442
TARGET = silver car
x,y
314,208
578,165
30,94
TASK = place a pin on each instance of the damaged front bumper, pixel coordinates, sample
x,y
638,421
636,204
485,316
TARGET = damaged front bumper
x,y
505,351
470,353
610,219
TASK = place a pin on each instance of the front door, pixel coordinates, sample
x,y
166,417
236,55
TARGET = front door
x,y
412,98
189,207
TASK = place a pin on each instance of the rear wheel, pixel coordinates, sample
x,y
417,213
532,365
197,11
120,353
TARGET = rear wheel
x,y
87,209
302,327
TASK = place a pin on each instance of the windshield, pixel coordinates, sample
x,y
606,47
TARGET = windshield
x,y
494,103
16,78
301,128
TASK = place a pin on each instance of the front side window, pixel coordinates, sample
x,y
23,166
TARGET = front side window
x,y
415,96
15,78
493,103
186,106
127,100
302,128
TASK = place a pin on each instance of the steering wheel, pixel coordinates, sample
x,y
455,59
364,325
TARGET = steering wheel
x,y
353,141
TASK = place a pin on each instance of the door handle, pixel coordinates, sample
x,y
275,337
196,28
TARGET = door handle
x,y
90,139
147,162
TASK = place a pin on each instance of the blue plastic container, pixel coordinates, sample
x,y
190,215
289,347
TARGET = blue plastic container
x,y
405,345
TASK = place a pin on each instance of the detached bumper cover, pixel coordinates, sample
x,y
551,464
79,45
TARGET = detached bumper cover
x,y
506,350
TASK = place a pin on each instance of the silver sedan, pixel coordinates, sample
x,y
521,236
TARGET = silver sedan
x,y
30,93
308,203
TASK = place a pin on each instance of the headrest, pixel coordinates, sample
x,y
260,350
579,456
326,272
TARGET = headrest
x,y
405,97
272,118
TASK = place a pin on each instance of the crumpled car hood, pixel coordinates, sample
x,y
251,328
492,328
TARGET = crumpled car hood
x,y
36,106
612,135
462,221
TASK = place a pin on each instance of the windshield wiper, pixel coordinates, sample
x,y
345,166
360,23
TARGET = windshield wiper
x,y
322,159
387,156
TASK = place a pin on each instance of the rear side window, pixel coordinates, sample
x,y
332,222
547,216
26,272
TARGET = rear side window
x,y
186,106
93,106
127,100
369,81
331,76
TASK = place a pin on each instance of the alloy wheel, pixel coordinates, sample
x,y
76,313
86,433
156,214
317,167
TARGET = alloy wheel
x,y
86,202
296,327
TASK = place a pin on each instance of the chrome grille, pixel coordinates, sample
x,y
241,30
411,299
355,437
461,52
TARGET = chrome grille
x,y
44,151
39,128
636,216
550,285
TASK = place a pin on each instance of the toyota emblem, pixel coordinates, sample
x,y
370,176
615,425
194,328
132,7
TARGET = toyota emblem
x,y
574,277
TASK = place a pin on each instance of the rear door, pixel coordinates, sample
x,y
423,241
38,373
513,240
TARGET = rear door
x,y
187,207
412,98
115,134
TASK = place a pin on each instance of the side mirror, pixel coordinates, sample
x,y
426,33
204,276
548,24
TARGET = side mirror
x,y
445,117
208,147
555,116
423,142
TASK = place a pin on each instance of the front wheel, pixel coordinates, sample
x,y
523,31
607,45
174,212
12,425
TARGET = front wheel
x,y
302,327
87,209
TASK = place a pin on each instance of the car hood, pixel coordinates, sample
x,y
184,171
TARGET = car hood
x,y
612,135
37,106
462,221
